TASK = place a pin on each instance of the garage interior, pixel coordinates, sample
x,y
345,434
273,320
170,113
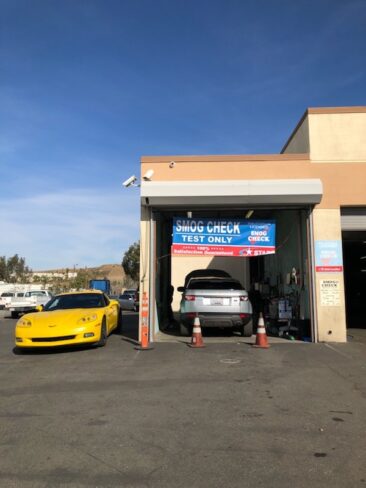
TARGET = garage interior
x,y
278,284
353,221
354,260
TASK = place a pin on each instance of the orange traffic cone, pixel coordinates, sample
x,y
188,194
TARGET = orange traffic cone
x,y
261,339
197,340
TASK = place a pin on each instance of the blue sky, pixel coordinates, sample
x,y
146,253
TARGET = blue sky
x,y
87,87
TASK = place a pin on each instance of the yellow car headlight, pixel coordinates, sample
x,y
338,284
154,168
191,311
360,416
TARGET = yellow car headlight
x,y
88,318
24,323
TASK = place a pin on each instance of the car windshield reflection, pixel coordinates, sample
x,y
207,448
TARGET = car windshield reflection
x,y
65,302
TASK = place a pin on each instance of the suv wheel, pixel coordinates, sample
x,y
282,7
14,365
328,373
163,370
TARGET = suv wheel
x,y
185,330
247,329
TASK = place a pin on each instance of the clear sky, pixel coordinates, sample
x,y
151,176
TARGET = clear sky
x,y
88,86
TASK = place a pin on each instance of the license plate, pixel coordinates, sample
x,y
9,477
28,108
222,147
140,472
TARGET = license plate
x,y
216,301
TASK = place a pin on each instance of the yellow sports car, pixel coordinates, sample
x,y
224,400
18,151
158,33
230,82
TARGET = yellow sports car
x,y
86,317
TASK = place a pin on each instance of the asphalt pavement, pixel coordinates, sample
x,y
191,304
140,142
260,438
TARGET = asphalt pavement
x,y
227,415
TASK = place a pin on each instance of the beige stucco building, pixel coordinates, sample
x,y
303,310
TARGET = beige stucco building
x,y
315,190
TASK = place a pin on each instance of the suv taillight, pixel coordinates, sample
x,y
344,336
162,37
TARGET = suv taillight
x,y
190,298
244,298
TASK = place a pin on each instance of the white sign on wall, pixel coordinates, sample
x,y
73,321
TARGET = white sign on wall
x,y
330,293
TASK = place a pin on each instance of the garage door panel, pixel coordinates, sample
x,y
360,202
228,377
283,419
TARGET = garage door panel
x,y
353,219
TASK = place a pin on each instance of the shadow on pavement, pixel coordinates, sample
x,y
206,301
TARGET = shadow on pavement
x,y
130,326
37,351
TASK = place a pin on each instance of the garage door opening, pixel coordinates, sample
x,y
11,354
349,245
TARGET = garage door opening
x,y
278,284
354,259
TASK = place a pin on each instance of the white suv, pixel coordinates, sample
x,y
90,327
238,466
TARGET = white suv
x,y
218,302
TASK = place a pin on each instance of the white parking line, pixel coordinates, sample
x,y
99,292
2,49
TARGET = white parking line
x,y
339,352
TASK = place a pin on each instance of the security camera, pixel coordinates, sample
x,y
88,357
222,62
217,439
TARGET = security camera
x,y
148,175
130,181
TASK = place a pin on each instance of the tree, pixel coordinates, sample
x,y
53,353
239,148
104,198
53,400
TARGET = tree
x,y
13,269
128,282
3,269
58,285
44,280
81,280
131,262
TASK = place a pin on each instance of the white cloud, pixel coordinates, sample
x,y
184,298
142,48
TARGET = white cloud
x,y
61,229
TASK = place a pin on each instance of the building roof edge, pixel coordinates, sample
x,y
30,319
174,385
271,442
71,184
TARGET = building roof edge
x,y
225,158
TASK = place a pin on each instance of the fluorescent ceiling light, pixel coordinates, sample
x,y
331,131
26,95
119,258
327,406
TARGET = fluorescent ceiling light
x,y
249,214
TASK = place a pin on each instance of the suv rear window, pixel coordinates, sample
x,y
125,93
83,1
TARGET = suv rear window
x,y
129,292
214,285
35,294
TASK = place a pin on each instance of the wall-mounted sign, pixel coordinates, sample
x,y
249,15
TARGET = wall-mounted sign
x,y
328,256
229,237
330,293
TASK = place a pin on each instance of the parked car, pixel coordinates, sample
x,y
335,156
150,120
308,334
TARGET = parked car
x,y
70,319
28,302
7,296
132,291
129,300
218,302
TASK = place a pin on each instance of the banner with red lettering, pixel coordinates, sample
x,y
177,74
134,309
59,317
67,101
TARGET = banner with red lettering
x,y
223,237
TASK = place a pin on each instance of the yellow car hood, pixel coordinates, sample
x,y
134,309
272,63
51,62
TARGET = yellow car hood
x,y
60,322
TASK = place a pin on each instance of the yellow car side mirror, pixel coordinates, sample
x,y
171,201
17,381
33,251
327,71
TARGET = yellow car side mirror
x,y
39,308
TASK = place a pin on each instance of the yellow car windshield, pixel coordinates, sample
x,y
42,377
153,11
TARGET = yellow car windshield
x,y
79,300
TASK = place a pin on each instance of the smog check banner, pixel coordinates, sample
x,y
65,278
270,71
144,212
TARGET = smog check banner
x,y
224,237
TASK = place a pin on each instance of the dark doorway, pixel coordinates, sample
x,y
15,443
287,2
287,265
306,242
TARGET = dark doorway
x,y
354,257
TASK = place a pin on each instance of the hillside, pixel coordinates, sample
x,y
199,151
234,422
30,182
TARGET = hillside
x,y
112,272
